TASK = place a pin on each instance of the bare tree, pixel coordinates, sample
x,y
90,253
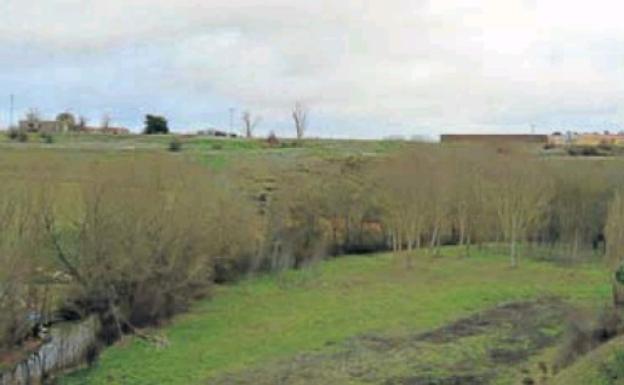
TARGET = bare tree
x,y
250,123
520,192
33,115
300,117
106,121
82,122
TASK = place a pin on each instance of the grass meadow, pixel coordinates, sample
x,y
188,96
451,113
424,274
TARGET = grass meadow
x,y
263,320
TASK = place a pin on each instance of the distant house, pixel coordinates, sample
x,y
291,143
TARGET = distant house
x,y
599,139
41,126
53,126
495,138
64,122
586,139
113,130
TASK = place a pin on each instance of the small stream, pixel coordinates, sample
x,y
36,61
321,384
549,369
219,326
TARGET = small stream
x,y
69,345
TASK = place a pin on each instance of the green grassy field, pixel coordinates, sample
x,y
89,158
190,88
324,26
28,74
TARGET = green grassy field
x,y
263,321
201,143
211,151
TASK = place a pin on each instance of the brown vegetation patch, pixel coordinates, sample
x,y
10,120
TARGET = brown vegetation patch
x,y
476,350
523,318
452,380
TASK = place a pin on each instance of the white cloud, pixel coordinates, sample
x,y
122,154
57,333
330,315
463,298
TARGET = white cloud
x,y
436,63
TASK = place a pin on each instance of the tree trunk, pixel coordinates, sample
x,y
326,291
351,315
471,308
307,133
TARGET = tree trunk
x,y
395,247
347,231
575,245
438,244
409,262
335,236
462,234
434,239
512,247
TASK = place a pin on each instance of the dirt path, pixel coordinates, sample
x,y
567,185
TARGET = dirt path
x,y
490,347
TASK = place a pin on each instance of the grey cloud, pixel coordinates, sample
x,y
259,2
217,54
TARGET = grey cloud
x,y
442,62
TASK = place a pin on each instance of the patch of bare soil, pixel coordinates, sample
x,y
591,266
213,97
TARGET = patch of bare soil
x,y
488,347
452,380
529,328
524,318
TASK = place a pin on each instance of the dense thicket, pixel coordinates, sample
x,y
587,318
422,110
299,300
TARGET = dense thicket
x,y
133,239
137,237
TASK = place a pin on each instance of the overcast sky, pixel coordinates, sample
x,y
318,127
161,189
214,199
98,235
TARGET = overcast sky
x,y
365,68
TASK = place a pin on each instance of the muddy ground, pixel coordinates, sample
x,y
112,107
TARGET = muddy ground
x,y
493,347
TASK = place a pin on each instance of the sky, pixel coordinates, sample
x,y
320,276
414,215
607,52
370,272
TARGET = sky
x,y
363,69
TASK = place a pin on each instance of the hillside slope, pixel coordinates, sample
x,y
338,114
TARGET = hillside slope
x,y
603,366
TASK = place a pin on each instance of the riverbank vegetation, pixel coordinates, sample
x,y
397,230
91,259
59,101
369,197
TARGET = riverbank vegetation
x,y
137,236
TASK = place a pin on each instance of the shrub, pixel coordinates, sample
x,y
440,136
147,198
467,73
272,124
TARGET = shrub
x,y
175,145
605,146
18,135
586,151
47,138
549,146
135,239
20,239
12,134
272,139
147,237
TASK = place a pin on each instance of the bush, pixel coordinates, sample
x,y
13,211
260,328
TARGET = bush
x,y
148,237
175,145
18,135
272,140
587,151
20,236
136,240
549,146
604,146
12,134
47,138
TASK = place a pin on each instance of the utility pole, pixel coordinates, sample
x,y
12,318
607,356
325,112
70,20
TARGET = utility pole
x,y
12,103
232,109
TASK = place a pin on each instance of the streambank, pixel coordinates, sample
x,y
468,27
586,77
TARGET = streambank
x,y
68,346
